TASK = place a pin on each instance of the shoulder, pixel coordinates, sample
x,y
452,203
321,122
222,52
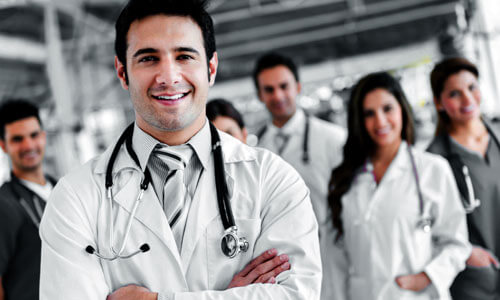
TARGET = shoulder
x,y
328,129
437,145
430,162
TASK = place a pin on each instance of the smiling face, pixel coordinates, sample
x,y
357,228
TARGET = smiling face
x,y
24,143
383,118
278,90
168,74
460,97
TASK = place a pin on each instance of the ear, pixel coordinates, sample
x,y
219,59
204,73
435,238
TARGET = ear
x,y
121,72
212,68
437,103
299,87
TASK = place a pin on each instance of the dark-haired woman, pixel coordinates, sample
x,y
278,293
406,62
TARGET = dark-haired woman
x,y
471,145
399,227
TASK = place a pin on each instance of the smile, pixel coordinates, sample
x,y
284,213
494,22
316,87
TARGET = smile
x,y
468,108
383,131
171,97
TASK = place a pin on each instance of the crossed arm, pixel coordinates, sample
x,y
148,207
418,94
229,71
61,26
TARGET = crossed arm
x,y
262,269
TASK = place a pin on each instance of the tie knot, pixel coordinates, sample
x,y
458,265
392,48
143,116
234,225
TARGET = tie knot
x,y
175,157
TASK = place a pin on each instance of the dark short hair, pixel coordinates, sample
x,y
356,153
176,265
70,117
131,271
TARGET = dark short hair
x,y
140,9
13,110
271,60
441,72
445,69
221,107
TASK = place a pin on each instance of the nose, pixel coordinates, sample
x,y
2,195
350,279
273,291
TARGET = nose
x,y
277,94
380,119
468,98
168,73
27,143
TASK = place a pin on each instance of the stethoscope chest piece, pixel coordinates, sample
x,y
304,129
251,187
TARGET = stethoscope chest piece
x,y
425,224
231,244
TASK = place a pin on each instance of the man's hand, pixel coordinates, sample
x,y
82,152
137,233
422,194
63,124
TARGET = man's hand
x,y
481,258
262,269
132,292
414,282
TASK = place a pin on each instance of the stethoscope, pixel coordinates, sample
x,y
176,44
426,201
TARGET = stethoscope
x,y
35,215
424,221
231,243
305,146
462,174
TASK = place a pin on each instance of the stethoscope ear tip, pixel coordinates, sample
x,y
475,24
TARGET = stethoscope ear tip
x,y
145,248
90,249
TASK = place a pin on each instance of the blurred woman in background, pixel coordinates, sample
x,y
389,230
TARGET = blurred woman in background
x,y
399,227
471,145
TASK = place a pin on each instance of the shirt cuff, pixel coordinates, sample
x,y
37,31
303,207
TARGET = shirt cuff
x,y
165,296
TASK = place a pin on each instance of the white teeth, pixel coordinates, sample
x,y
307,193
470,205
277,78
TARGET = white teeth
x,y
383,130
469,108
174,97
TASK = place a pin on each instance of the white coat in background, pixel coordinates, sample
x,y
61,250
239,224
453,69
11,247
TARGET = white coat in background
x,y
271,207
381,239
325,153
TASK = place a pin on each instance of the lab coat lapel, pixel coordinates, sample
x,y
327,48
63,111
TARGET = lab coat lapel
x,y
149,212
204,209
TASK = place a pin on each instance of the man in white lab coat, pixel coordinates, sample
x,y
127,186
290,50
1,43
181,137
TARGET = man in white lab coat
x,y
312,146
166,59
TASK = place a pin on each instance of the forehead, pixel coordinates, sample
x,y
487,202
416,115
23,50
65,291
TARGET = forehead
x,y
22,127
459,78
378,97
164,32
275,75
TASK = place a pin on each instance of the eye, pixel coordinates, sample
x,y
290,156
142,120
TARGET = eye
x,y
17,139
268,89
34,134
368,113
184,57
387,108
454,94
148,59
472,87
284,86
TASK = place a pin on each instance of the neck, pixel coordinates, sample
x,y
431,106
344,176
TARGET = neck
x,y
174,138
386,154
472,128
280,122
35,176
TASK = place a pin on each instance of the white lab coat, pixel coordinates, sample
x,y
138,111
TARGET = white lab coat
x,y
270,204
325,153
381,240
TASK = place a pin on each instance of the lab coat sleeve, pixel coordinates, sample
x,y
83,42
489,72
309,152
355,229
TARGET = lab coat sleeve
x,y
335,266
67,271
449,231
289,225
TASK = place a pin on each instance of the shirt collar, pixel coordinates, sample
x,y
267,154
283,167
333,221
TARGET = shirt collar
x,y
143,144
293,126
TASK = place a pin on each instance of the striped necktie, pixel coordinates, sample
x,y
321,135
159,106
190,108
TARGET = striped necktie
x,y
281,141
174,190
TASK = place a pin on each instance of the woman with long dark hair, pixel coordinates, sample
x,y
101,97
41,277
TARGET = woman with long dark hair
x,y
470,143
399,229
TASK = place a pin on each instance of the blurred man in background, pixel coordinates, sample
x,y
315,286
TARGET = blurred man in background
x,y
22,200
227,118
312,146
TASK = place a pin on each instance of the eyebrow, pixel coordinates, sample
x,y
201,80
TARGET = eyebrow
x,y
152,50
144,51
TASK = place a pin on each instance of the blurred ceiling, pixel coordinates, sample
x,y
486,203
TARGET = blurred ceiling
x,y
310,31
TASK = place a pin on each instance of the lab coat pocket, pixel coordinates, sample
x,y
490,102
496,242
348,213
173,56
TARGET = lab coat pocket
x,y
221,269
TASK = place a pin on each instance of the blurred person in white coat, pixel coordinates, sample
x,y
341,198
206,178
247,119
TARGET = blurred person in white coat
x,y
398,227
312,146
176,209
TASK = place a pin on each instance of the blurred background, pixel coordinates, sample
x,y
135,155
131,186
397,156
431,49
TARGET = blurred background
x,y
59,54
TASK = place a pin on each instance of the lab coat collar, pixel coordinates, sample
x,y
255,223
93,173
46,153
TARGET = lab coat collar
x,y
400,164
294,126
